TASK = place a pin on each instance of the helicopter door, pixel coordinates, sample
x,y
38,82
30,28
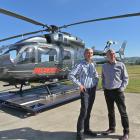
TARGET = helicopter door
x,y
68,58
48,55
25,62
48,64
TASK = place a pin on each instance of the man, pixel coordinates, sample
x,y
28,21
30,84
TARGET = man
x,y
86,77
114,81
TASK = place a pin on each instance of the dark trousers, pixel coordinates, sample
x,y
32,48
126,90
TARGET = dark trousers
x,y
87,100
118,97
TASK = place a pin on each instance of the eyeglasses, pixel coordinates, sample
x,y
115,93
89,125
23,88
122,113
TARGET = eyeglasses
x,y
112,53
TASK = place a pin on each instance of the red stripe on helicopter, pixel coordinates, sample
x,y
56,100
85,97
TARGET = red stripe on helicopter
x,y
50,70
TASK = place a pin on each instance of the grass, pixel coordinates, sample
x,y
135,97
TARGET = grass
x,y
134,78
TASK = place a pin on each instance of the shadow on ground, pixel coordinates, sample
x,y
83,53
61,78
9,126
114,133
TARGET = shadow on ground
x,y
31,134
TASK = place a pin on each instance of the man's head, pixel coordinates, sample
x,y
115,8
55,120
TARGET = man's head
x,y
111,55
88,54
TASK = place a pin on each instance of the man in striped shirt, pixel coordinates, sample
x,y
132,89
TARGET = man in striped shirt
x,y
114,81
85,76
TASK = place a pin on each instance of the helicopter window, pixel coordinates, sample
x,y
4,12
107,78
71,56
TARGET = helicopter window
x,y
13,54
27,56
47,55
48,38
60,37
65,40
66,55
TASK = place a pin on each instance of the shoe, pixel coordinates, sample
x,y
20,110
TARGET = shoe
x,y
79,137
125,137
90,133
107,132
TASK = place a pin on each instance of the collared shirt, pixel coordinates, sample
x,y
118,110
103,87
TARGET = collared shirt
x,y
114,76
84,74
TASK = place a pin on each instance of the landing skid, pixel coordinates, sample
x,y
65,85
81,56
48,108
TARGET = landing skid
x,y
41,98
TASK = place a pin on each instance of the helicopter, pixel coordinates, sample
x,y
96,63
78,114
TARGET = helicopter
x,y
45,57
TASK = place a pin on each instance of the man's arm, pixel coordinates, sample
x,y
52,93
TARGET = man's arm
x,y
73,77
74,73
96,77
103,80
125,78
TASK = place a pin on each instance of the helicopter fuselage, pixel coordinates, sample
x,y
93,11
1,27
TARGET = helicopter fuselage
x,y
41,58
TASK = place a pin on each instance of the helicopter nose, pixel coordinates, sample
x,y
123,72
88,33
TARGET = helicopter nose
x,y
3,70
5,65
5,60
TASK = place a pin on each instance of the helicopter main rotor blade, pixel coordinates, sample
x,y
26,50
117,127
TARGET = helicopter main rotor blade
x,y
20,35
102,19
9,13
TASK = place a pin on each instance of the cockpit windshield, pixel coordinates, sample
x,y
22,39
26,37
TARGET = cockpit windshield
x,y
33,54
26,55
12,53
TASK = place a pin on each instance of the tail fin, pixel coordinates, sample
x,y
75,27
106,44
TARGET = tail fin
x,y
122,49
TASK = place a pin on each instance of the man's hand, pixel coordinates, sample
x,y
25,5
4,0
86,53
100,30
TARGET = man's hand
x,y
82,89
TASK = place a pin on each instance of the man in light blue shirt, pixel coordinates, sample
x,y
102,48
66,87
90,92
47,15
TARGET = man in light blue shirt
x,y
85,76
114,81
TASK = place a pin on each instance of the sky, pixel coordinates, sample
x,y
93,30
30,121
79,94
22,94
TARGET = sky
x,y
61,12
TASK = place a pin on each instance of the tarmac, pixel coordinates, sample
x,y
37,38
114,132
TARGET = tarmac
x,y
60,123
